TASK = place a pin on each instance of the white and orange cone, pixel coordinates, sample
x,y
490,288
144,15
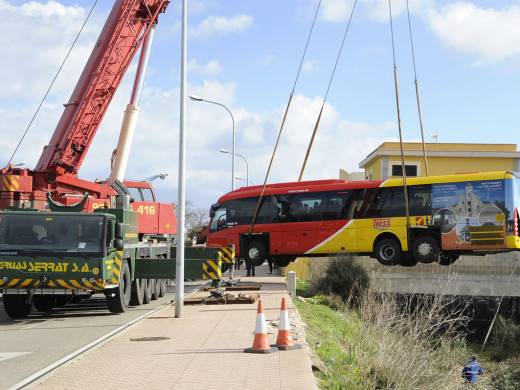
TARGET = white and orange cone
x,y
284,340
260,343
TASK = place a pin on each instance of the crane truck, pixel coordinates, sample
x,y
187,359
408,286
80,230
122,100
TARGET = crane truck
x,y
63,237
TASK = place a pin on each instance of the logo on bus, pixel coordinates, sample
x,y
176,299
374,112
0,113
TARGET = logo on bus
x,y
424,221
382,222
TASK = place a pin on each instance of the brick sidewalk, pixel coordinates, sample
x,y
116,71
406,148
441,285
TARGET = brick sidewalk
x,y
202,350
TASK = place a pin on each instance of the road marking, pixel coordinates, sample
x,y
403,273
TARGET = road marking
x,y
31,326
11,355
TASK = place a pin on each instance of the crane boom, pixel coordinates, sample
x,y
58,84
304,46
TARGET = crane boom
x,y
124,31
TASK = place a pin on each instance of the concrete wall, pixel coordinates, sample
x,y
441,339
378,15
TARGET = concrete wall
x,y
470,275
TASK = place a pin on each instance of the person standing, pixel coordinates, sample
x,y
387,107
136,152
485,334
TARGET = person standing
x,y
250,269
472,370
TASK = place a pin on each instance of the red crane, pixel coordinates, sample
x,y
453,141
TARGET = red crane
x,y
123,34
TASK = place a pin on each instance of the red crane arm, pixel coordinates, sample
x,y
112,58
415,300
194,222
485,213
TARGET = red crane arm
x,y
123,33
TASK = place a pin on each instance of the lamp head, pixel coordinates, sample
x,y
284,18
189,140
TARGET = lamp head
x,y
224,151
196,98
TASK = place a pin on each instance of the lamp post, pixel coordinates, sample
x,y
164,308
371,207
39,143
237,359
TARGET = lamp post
x,y
199,99
241,178
247,165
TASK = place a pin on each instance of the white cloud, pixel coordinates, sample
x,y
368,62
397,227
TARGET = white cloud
x,y
379,10
336,10
210,68
490,35
267,60
221,25
310,66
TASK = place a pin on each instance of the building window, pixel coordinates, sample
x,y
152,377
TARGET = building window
x,y
411,170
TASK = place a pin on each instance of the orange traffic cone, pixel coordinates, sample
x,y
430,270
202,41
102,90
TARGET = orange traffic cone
x,y
260,343
284,340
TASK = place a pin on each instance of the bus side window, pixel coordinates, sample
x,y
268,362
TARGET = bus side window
x,y
420,200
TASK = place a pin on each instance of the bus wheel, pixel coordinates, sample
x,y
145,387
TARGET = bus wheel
x,y
408,260
388,251
425,249
447,259
283,261
256,253
15,305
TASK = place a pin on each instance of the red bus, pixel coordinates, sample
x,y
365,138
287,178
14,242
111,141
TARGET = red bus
x,y
448,216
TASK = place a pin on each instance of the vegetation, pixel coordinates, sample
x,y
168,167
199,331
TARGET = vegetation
x,y
368,340
195,220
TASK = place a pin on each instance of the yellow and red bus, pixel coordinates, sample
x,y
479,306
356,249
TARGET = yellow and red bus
x,y
449,215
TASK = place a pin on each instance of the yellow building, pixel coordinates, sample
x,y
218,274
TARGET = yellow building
x,y
443,158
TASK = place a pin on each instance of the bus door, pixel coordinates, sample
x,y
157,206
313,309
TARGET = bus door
x,y
342,230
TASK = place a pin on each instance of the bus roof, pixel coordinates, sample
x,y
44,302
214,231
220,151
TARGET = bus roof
x,y
334,184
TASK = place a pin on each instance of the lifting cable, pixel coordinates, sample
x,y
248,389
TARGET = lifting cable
x,y
52,83
417,91
399,122
498,308
283,121
327,93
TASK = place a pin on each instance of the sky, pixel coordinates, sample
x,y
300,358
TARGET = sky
x,y
246,55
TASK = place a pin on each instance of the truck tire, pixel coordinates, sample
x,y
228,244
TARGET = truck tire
x,y
162,285
149,285
44,302
256,253
425,249
136,299
388,251
156,292
120,299
15,306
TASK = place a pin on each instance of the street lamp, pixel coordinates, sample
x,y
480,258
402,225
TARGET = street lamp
x,y
161,176
241,178
247,165
199,99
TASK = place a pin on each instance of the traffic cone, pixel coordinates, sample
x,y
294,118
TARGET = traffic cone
x,y
284,340
260,343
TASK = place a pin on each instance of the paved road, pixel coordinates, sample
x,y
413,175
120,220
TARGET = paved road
x,y
32,344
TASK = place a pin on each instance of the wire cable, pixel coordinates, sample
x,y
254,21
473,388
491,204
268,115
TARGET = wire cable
x,y
417,90
283,122
52,83
327,93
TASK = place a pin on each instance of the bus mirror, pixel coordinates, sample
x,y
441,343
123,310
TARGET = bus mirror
x,y
119,231
213,208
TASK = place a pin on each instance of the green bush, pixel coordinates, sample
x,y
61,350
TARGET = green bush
x,y
505,338
344,277
506,375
